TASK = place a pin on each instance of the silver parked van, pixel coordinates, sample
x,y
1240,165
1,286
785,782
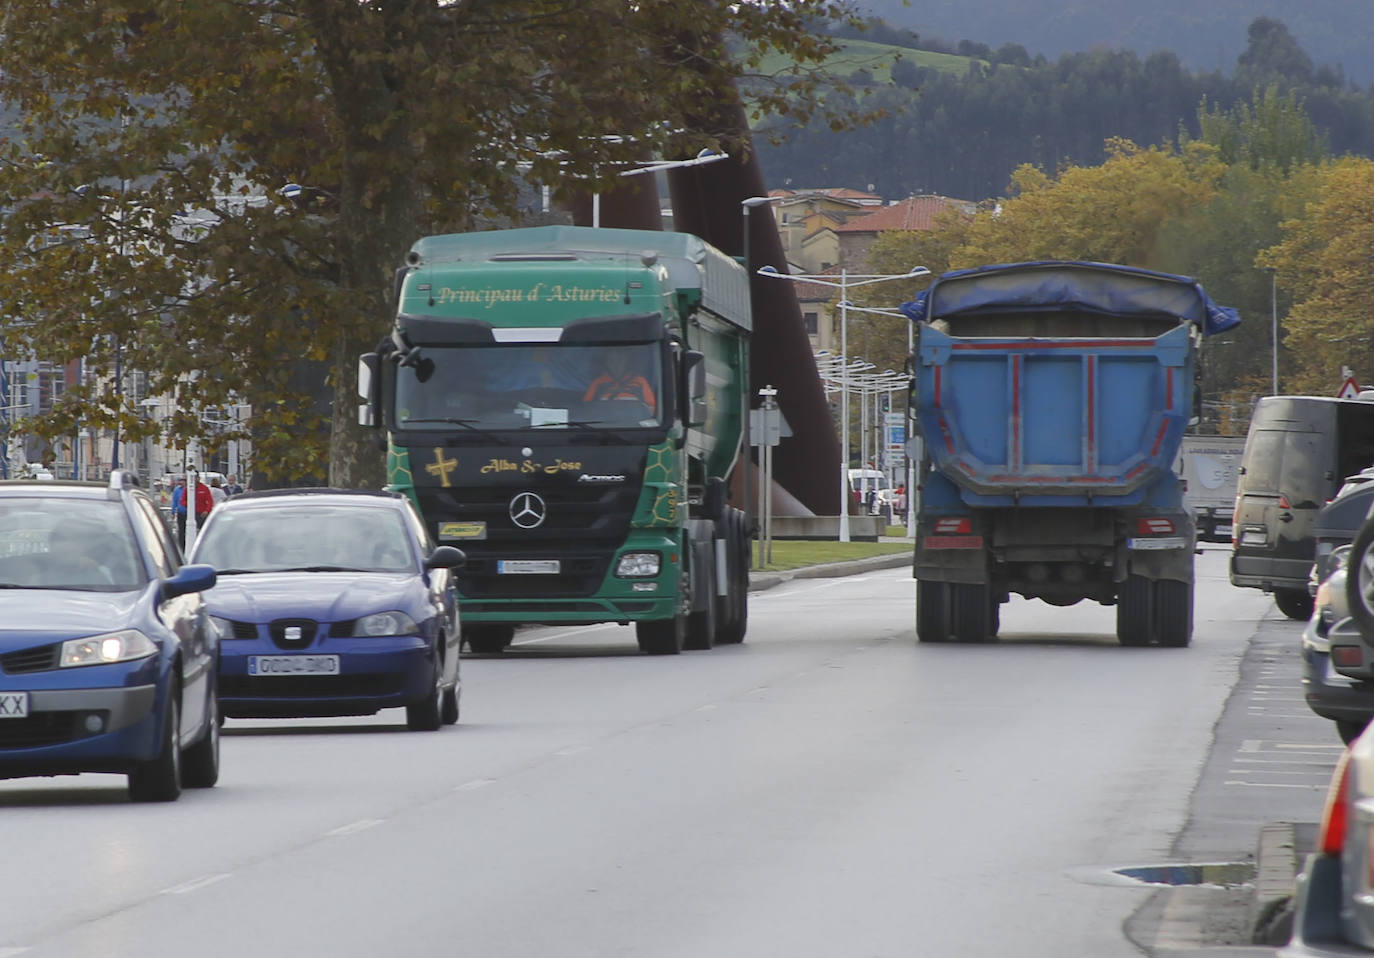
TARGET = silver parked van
x,y
1297,453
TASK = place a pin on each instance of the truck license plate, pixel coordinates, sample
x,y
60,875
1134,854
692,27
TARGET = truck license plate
x,y
14,705
293,665
527,566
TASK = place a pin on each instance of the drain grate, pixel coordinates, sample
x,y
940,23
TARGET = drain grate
x,y
1220,874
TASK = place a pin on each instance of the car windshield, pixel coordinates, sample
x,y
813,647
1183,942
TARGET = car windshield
x,y
309,536
525,386
68,543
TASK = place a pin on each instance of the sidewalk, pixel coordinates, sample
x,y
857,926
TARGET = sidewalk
x,y
759,581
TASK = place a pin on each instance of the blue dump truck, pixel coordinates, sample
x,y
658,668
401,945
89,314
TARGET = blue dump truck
x,y
1052,398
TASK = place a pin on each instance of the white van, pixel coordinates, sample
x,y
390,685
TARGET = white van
x,y
864,481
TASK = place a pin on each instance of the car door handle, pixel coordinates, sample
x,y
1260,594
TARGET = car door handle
x,y
1286,517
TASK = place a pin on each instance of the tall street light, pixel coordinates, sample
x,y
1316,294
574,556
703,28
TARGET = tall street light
x,y
847,282
1274,323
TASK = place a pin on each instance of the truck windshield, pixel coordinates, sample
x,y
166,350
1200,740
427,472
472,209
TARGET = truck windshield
x,y
536,386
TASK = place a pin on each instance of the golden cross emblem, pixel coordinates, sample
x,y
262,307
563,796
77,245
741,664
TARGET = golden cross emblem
x,y
440,466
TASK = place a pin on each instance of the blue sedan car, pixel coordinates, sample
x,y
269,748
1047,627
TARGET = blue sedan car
x,y
331,602
107,657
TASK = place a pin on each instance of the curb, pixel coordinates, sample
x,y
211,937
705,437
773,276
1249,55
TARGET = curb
x,y
760,581
1276,870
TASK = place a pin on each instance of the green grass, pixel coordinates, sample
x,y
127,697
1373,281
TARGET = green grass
x,y
796,553
876,58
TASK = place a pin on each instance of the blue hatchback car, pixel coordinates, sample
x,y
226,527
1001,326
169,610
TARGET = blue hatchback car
x,y
107,657
332,602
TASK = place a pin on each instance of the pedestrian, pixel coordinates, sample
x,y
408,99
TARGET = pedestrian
x,y
900,502
203,500
232,487
217,492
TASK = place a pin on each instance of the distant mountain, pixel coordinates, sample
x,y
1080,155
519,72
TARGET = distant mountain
x,y
1207,35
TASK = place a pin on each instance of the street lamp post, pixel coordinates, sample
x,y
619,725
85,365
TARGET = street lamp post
x,y
846,283
1274,325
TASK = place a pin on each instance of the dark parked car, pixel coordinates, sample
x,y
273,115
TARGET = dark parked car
x,y
332,602
1338,642
1297,452
107,657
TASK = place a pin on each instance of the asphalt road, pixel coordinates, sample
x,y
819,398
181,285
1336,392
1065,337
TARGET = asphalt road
x,y
829,788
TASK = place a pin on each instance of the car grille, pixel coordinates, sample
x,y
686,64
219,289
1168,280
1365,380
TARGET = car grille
x,y
244,630
277,629
40,659
44,728
309,686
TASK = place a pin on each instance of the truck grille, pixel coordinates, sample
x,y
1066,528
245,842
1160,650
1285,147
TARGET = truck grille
x,y
583,526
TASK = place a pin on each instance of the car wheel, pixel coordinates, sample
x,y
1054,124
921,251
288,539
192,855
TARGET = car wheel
x,y
160,779
1294,603
448,708
425,715
1359,580
200,764
1349,730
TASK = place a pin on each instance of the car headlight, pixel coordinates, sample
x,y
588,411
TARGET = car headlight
x,y
104,649
638,565
1340,558
1331,604
387,623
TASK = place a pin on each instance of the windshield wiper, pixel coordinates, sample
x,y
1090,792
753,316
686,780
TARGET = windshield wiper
x,y
467,424
16,585
237,571
321,568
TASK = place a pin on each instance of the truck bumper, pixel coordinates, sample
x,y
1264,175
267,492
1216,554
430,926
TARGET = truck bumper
x,y
587,611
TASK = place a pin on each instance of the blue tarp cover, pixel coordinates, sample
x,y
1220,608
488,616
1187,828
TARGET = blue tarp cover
x,y
1056,284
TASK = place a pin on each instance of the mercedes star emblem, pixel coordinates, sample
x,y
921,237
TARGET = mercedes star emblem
x,y
527,510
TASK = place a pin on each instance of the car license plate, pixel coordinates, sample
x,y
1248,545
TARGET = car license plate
x,y
14,705
293,665
527,566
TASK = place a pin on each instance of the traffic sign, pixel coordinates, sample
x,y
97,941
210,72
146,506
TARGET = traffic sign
x,y
1349,389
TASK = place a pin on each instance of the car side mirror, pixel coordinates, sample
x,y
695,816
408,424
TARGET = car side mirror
x,y
188,579
445,557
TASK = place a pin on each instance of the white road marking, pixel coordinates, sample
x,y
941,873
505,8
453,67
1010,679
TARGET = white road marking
x,y
572,750
707,707
1250,745
11,952
195,884
1274,785
361,824
475,784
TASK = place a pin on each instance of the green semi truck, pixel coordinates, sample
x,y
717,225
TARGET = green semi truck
x,y
566,405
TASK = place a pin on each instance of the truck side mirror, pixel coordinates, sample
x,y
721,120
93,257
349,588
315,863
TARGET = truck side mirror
x,y
1197,405
694,388
369,381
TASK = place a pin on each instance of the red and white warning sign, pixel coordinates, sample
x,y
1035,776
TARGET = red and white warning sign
x,y
1349,389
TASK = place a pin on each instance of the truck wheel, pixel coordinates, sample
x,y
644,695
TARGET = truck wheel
x,y
661,636
701,626
1174,612
730,631
971,608
932,611
488,638
1349,729
1294,603
994,617
1134,611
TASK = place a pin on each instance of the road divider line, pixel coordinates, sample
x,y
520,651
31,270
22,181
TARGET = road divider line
x,y
195,884
361,824
475,784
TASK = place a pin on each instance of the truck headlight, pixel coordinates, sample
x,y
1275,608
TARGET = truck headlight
x,y
638,565
103,649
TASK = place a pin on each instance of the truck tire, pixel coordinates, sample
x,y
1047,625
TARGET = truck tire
x,y
932,611
701,626
730,630
971,612
661,636
488,638
1294,603
1174,613
1135,610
